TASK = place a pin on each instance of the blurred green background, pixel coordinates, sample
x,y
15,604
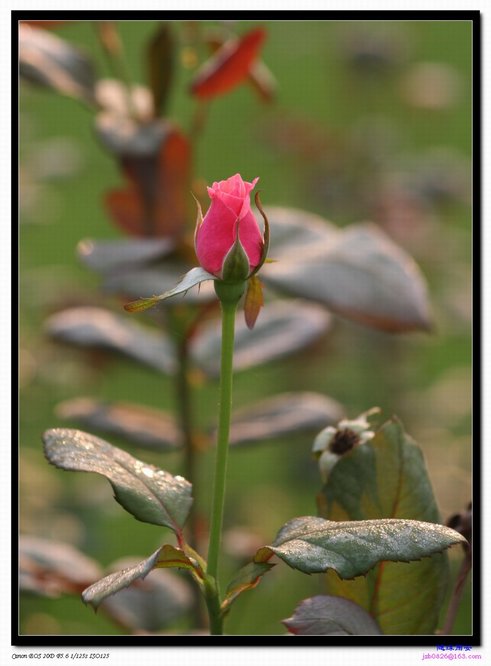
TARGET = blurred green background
x,y
372,121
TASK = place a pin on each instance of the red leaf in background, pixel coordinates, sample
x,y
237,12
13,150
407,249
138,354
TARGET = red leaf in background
x,y
46,24
126,208
228,66
155,201
260,77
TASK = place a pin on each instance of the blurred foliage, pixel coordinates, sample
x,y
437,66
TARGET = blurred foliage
x,y
372,121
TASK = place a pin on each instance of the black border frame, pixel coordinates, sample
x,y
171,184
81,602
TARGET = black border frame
x,y
475,639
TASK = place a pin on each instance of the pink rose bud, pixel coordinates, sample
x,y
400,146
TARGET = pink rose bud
x,y
216,235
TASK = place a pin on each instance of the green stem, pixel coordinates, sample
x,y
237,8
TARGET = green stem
x,y
229,295
212,597
229,308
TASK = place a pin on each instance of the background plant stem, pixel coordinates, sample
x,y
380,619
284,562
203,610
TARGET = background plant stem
x,y
457,593
183,399
113,48
184,410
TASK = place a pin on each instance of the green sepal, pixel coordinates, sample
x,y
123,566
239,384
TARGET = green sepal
x,y
192,278
229,292
142,304
254,301
265,250
236,266
199,217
